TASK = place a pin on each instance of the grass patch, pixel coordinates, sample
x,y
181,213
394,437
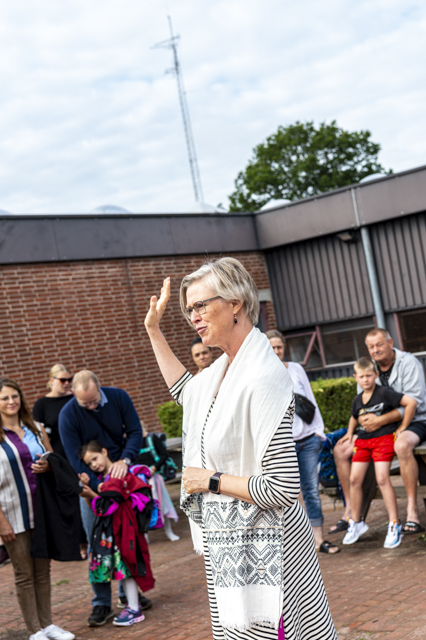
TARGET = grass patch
x,y
61,582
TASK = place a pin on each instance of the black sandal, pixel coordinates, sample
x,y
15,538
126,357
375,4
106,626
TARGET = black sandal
x,y
326,546
342,525
415,527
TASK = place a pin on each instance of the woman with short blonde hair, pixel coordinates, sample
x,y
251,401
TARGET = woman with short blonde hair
x,y
241,479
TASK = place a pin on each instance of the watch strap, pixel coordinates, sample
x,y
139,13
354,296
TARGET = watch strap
x,y
217,475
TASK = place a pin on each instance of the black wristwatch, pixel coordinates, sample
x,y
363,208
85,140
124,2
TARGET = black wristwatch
x,y
214,482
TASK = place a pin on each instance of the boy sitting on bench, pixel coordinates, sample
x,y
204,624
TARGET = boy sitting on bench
x,y
377,445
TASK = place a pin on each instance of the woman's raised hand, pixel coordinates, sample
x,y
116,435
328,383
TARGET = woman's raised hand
x,y
157,307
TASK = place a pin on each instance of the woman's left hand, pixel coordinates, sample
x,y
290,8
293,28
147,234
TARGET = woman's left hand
x,y
41,466
196,480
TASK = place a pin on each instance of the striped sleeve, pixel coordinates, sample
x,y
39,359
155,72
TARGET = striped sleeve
x,y
177,388
279,484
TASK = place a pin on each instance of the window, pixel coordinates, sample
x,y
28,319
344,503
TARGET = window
x,y
263,323
412,325
344,341
304,348
331,344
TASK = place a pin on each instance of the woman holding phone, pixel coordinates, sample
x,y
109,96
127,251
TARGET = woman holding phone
x,y
23,444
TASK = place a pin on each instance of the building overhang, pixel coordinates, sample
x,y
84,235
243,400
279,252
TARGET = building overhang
x,y
52,238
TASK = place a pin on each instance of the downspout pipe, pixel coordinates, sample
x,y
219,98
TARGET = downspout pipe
x,y
371,268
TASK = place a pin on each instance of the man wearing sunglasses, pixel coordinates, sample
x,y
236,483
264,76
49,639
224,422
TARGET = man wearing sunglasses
x,y
108,415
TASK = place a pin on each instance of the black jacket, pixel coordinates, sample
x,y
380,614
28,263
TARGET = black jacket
x,y
57,513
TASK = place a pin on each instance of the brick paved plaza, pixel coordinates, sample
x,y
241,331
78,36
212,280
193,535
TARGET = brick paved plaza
x,y
374,593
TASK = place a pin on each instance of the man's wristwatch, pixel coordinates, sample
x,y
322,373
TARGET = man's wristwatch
x,y
127,461
214,482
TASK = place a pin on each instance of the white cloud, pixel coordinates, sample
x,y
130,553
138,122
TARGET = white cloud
x,y
88,117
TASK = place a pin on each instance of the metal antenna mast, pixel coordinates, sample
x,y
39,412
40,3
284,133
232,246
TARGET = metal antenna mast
x,y
172,44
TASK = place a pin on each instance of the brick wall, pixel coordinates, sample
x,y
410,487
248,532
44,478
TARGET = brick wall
x,y
90,315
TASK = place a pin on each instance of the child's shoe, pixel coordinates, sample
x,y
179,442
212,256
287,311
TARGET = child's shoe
x,y
355,531
127,617
394,535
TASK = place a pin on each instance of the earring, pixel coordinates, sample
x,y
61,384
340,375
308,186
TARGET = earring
x,y
235,319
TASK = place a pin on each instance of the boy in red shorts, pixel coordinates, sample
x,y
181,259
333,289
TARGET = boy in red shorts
x,y
377,445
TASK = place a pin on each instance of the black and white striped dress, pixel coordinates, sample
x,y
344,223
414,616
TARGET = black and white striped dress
x,y
305,612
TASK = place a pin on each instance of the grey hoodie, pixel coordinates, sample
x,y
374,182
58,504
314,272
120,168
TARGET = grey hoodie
x,y
408,377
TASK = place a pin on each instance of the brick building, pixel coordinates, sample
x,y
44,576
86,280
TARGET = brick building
x,y
89,314
75,289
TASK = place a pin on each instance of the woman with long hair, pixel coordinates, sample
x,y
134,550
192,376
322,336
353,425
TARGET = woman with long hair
x,y
22,445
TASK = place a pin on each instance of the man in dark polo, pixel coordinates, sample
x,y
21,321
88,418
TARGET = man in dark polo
x,y
106,414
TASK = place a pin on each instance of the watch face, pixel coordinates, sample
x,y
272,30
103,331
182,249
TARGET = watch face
x,y
214,485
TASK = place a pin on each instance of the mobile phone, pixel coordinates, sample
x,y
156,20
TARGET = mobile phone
x,y
44,455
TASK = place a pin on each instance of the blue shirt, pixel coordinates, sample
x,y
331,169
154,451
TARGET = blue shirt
x,y
114,417
32,442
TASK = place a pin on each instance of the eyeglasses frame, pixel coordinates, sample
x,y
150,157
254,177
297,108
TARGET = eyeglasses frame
x,y
189,310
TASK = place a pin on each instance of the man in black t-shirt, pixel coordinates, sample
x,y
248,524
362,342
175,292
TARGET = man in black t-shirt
x,y
377,445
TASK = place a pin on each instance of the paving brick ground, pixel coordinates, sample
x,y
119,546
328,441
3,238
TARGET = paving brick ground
x,y
374,593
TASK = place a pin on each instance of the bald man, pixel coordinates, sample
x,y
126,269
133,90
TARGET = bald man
x,y
105,414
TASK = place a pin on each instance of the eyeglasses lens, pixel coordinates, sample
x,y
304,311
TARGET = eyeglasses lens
x,y
64,380
198,308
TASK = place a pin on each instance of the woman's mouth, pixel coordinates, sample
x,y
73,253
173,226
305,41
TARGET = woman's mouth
x,y
201,330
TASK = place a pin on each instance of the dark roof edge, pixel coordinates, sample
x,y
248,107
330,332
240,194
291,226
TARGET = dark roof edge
x,y
356,185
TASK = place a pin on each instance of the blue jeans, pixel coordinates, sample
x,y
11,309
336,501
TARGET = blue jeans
x,y
102,591
307,457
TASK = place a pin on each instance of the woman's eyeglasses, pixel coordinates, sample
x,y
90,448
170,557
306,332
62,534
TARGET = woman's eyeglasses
x,y
199,307
64,380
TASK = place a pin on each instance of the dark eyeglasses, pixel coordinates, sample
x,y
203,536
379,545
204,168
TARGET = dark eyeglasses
x,y
199,307
64,380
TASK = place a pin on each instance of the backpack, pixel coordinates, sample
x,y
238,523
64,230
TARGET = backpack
x,y
327,470
168,469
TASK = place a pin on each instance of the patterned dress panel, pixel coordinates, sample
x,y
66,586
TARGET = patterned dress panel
x,y
232,526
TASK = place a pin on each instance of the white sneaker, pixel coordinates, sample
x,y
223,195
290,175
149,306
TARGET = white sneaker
x,y
394,535
355,531
39,636
56,633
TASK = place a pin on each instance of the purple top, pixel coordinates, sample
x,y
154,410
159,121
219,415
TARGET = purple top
x,y
26,460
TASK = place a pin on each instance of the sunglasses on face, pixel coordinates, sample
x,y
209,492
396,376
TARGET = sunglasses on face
x,y
64,380
199,307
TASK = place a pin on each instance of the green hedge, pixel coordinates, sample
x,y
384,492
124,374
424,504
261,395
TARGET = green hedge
x,y
334,397
170,416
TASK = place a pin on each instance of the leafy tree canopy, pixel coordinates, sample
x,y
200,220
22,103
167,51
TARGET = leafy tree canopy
x,y
301,161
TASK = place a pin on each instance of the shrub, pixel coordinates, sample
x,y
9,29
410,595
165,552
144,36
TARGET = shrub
x,y
334,397
170,416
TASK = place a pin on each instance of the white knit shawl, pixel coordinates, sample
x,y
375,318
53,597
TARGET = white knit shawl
x,y
251,402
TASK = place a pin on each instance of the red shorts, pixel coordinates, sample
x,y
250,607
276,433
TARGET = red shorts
x,y
380,449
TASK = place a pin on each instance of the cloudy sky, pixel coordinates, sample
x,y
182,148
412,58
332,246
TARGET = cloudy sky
x,y
89,117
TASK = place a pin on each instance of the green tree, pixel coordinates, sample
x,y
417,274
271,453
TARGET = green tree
x,y
301,161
